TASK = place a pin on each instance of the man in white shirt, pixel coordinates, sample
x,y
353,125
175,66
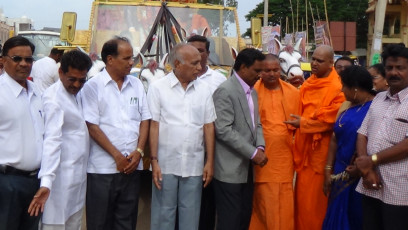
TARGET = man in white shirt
x,y
213,79
21,136
183,118
45,70
117,116
65,149
209,76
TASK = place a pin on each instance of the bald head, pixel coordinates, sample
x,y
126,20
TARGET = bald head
x,y
271,57
185,60
179,52
322,61
326,50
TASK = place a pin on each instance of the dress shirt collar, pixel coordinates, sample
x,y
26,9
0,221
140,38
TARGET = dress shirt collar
x,y
398,96
174,81
207,73
245,86
16,88
106,78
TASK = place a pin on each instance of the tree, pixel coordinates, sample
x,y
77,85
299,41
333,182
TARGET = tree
x,y
338,10
220,2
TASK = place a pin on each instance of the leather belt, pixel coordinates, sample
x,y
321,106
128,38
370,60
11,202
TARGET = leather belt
x,y
6,169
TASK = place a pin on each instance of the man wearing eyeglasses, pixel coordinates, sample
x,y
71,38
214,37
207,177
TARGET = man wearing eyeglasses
x,y
116,112
21,136
65,149
45,70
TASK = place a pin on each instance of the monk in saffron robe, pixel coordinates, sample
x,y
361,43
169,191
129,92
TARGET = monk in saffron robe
x,y
273,202
320,99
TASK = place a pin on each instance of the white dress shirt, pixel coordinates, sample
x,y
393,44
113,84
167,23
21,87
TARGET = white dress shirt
x,y
65,154
181,115
212,78
44,73
21,125
118,114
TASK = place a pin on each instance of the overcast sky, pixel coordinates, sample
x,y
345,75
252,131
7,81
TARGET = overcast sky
x,y
48,13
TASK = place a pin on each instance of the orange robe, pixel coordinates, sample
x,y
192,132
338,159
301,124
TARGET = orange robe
x,y
273,202
320,100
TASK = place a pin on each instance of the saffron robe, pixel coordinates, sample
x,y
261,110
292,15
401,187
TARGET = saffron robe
x,y
273,203
320,99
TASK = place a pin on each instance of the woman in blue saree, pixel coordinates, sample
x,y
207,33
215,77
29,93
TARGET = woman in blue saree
x,y
344,211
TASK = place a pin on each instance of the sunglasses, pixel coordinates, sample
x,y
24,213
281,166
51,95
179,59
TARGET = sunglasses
x,y
18,59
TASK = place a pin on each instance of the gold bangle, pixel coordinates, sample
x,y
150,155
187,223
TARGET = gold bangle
x,y
328,167
374,159
140,151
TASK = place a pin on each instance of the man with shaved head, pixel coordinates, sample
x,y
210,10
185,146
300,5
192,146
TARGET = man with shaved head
x,y
320,99
183,116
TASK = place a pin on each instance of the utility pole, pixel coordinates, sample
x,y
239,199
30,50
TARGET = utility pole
x,y
376,45
265,23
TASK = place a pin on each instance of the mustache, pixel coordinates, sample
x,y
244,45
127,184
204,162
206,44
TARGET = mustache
x,y
393,78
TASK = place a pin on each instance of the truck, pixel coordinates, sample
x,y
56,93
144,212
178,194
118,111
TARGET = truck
x,y
44,41
134,20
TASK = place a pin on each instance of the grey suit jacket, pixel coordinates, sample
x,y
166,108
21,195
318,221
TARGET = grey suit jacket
x,y
236,139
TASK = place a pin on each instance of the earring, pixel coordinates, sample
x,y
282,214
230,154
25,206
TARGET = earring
x,y
355,94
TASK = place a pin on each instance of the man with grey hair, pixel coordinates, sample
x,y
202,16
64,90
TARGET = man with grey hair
x,y
178,129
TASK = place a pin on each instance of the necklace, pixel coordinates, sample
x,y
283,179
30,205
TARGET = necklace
x,y
342,115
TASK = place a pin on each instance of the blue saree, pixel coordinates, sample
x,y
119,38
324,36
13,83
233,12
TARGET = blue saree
x,y
344,211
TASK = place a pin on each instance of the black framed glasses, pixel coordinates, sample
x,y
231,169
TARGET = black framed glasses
x,y
18,59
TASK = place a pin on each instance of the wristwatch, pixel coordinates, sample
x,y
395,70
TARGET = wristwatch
x,y
140,151
374,159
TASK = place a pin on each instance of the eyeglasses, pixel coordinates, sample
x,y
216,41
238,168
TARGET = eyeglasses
x,y
18,59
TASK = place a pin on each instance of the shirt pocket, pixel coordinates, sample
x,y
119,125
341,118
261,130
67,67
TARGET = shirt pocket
x,y
197,115
398,129
134,110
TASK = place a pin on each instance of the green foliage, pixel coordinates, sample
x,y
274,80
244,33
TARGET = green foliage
x,y
337,10
220,2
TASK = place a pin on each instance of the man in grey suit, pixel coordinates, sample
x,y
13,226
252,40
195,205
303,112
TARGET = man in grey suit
x,y
239,142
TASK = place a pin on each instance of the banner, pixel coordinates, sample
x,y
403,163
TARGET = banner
x,y
322,35
269,33
302,47
288,40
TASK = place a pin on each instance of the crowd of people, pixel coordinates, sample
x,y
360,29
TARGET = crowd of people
x,y
249,151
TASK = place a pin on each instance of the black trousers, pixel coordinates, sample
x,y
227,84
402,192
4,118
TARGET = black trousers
x,y
233,204
380,216
16,193
112,201
207,212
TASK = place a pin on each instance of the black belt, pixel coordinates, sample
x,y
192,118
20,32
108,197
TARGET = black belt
x,y
6,169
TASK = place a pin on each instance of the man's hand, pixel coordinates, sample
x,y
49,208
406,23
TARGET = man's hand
x,y
121,162
208,173
295,122
134,159
327,182
364,164
353,171
38,202
156,174
372,180
260,158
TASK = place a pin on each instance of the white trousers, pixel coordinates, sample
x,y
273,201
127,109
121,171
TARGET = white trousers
x,y
73,223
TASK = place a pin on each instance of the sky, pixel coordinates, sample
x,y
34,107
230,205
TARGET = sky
x,y
48,13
